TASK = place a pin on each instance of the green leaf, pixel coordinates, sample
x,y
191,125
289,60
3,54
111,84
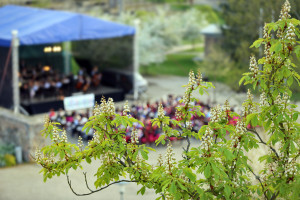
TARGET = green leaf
x,y
144,154
241,81
207,171
181,186
295,116
290,81
172,189
276,47
215,168
142,190
227,190
229,156
88,159
188,172
257,43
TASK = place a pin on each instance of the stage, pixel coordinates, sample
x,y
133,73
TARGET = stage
x,y
43,105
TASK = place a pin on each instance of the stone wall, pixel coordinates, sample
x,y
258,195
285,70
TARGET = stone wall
x,y
23,131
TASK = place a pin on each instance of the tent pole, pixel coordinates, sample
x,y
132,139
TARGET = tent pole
x,y
66,54
15,71
135,59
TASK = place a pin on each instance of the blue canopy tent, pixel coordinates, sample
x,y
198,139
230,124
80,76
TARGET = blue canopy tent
x,y
41,26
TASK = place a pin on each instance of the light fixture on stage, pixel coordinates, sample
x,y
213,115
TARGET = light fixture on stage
x,y
47,49
50,49
57,49
46,68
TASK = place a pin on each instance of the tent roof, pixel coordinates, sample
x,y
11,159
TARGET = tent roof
x,y
212,29
41,26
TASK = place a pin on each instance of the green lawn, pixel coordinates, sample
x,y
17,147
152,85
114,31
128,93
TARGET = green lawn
x,y
175,64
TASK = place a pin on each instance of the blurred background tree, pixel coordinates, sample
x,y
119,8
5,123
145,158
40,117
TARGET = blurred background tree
x,y
243,20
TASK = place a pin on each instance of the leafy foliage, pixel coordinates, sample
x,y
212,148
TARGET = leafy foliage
x,y
219,167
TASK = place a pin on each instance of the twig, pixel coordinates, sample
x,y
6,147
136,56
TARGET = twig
x,y
258,178
93,191
86,183
261,141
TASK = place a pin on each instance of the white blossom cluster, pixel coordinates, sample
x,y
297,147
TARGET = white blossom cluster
x,y
134,137
290,32
46,120
217,114
284,13
291,169
226,106
270,167
161,112
240,130
184,177
160,161
170,160
188,91
105,107
263,99
126,109
55,134
177,114
186,96
64,137
279,101
189,125
253,66
248,106
192,80
207,139
249,96
266,34
107,158
80,143
199,78
38,155
168,196
267,52
95,139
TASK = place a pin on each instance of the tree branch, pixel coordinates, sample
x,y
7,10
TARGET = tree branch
x,y
258,178
93,191
86,183
263,142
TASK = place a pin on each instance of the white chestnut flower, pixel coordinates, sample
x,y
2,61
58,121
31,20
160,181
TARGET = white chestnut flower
x,y
110,107
192,80
207,139
253,66
266,34
64,137
284,13
55,135
161,112
216,114
170,159
290,32
226,106
263,99
80,143
126,109
134,137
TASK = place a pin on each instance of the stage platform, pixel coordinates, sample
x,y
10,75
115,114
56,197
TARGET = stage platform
x,y
43,105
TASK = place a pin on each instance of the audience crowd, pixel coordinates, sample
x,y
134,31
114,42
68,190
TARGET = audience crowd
x,y
43,82
74,121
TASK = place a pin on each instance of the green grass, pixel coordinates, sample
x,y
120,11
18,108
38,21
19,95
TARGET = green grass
x,y
175,64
